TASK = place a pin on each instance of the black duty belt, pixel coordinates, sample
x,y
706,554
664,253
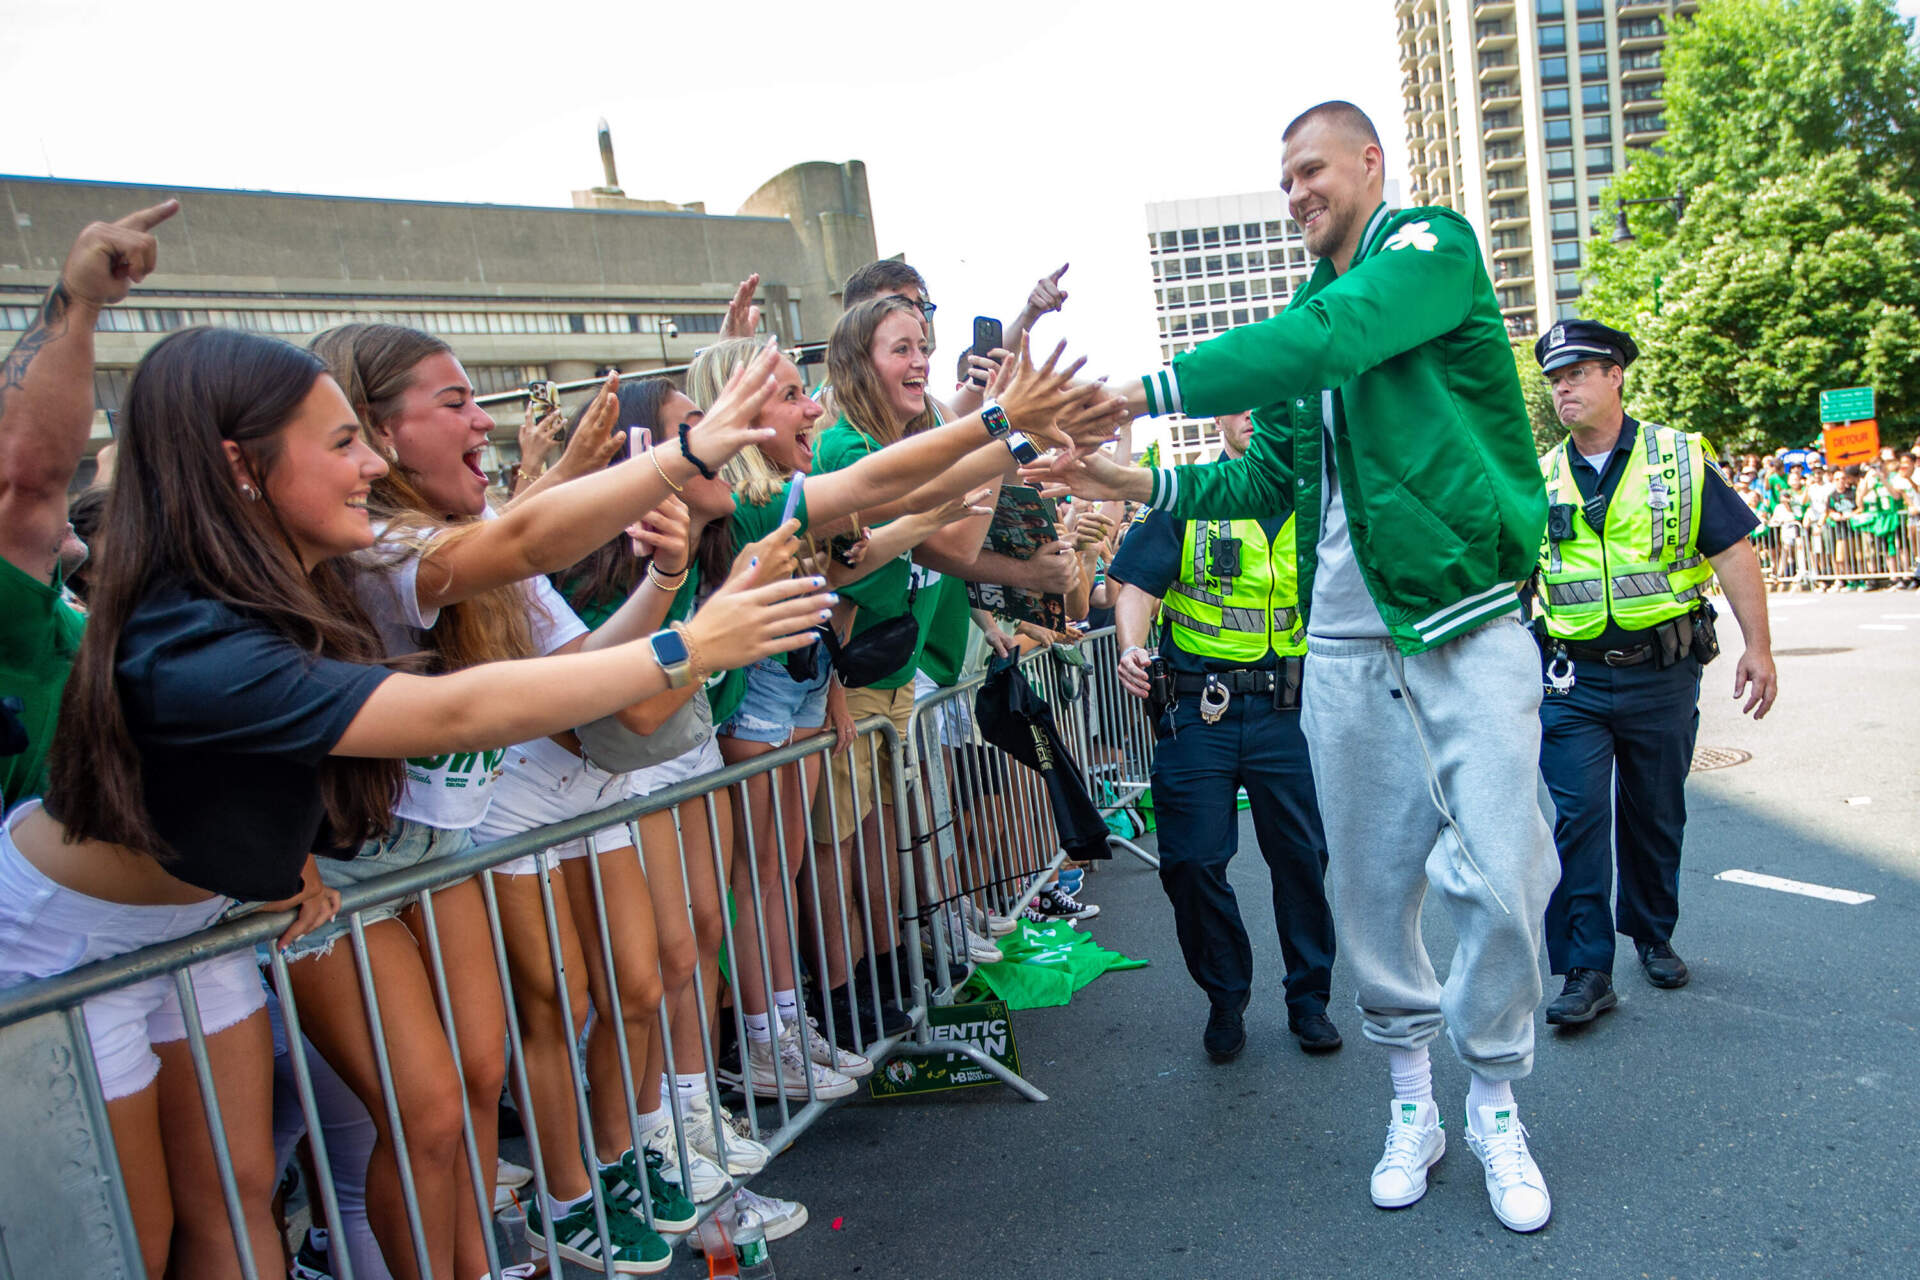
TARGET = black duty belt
x,y
1631,656
1234,681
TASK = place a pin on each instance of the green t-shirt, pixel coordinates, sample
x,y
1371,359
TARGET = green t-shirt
x,y
945,652
39,639
884,593
725,689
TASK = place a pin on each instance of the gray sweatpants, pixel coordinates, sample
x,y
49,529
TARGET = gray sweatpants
x,y
1399,743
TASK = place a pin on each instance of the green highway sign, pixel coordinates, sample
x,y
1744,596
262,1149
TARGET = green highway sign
x,y
1848,404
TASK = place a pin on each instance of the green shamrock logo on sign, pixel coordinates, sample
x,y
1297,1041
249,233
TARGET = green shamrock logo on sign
x,y
1414,236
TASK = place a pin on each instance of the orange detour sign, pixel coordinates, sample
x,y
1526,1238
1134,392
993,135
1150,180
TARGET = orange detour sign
x,y
1846,443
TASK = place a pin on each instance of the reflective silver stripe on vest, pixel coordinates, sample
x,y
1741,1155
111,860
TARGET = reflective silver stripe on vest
x,y
1252,621
1283,619
1683,462
1631,586
1553,488
1689,562
1199,595
1652,434
1682,597
1578,591
1194,625
1200,555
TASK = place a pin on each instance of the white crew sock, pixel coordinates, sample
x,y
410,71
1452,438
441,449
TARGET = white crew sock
x,y
558,1209
759,1027
1412,1074
1482,1092
787,1005
653,1120
692,1090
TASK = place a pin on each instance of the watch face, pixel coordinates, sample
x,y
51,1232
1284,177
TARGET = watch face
x,y
669,649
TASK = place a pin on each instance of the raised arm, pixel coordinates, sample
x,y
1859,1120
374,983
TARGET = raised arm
x,y
550,530
46,385
760,611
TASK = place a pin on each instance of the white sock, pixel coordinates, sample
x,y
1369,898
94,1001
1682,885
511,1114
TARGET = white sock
x,y
1482,1092
787,1005
558,1209
653,1120
692,1089
1412,1074
759,1027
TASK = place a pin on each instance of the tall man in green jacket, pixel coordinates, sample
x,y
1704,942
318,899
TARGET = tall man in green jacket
x,y
1389,419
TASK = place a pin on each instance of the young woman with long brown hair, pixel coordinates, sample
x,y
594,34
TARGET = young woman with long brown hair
x,y
228,717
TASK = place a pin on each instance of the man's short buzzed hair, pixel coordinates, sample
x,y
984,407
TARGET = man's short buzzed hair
x,y
1340,114
877,278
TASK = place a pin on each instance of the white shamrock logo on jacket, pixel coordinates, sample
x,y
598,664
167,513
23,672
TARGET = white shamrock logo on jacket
x,y
1414,236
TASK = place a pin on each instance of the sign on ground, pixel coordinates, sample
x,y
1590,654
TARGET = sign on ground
x,y
986,1025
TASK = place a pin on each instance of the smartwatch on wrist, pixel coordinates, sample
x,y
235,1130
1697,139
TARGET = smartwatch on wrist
x,y
995,419
1023,449
675,659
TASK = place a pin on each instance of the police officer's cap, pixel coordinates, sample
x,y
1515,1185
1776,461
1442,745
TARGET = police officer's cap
x,y
1572,341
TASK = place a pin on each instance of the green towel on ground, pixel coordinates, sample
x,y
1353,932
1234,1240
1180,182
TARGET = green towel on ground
x,y
1046,964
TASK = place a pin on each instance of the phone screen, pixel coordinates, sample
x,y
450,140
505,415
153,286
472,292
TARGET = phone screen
x,y
793,496
639,440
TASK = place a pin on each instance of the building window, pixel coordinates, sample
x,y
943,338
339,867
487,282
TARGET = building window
x,y
1595,97
1553,39
1276,231
1560,195
1593,66
1551,9
1553,102
1566,311
1193,266
1564,224
1176,297
1646,122
1592,8
1558,132
1237,290
1598,129
1220,320
1559,164
1256,260
1210,237
1169,239
1599,159
1236,263
1217,292
1231,234
1566,253
1566,284
1553,71
1261,313
1240,315
1593,35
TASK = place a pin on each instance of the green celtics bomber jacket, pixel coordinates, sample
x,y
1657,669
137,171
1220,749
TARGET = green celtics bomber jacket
x,y
1407,356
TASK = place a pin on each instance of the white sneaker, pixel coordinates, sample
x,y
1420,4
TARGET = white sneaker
x,y
744,1156
702,1181
795,1071
1514,1185
981,950
1415,1142
986,923
827,1054
508,1178
778,1218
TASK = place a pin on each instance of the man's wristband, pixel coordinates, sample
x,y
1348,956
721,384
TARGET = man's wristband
x,y
1135,648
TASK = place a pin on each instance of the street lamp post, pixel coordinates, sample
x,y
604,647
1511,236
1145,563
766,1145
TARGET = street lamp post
x,y
1623,234
668,330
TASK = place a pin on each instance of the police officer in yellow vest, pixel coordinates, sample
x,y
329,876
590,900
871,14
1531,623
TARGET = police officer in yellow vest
x,y
1229,663
1641,520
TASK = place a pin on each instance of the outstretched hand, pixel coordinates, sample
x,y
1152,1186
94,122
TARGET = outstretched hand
x,y
728,426
109,258
743,318
761,609
1096,474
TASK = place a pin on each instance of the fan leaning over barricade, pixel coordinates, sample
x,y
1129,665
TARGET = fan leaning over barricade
x,y
1389,420
231,714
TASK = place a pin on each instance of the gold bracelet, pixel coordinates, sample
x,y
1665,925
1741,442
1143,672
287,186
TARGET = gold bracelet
x,y
663,472
695,666
666,581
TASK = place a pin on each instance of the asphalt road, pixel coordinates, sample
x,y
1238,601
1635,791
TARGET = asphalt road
x,y
1757,1123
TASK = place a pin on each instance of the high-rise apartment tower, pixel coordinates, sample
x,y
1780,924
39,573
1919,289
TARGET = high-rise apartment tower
x,y
1519,113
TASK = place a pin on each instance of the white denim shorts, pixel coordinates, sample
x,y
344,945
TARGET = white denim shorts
x,y
48,929
704,758
544,782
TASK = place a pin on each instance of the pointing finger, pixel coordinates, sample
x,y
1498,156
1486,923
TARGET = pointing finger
x,y
150,217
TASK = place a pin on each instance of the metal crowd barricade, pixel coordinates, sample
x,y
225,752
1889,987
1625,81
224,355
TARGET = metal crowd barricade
x,y
64,1210
1800,554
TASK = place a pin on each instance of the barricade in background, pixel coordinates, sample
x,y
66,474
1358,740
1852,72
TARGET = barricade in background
x,y
64,1210
1837,552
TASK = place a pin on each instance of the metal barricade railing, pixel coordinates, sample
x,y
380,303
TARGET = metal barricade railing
x,y
831,901
1845,551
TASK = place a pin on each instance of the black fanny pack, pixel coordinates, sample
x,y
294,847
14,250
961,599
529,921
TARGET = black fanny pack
x,y
877,652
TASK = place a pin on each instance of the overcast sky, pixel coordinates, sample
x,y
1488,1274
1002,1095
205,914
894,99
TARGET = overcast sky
x,y
1000,141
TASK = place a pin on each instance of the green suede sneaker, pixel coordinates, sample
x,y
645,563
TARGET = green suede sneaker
x,y
635,1249
672,1211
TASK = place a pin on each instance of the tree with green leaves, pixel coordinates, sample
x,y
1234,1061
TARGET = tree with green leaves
x,y
1547,431
1794,135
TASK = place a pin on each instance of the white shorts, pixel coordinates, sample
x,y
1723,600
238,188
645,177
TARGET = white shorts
x,y
48,929
952,719
544,783
704,758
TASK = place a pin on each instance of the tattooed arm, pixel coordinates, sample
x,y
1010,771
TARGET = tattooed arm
x,y
46,385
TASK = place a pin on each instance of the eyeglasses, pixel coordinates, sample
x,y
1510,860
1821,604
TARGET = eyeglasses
x,y
927,309
1573,375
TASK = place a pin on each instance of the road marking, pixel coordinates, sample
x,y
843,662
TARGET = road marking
x,y
1821,891
1883,626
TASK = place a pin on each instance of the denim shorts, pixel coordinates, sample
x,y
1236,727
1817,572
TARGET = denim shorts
x,y
48,929
407,844
776,704
542,783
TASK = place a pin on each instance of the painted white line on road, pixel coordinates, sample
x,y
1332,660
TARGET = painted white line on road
x,y
1883,626
1801,887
